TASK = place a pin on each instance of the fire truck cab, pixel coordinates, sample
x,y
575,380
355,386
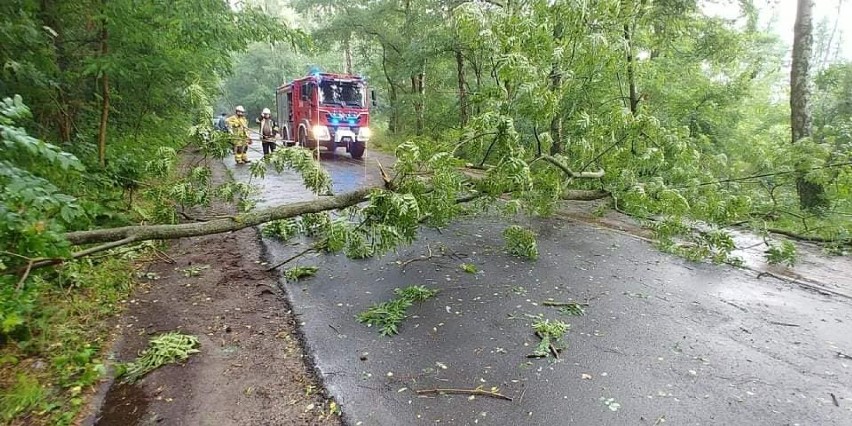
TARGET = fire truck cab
x,y
328,110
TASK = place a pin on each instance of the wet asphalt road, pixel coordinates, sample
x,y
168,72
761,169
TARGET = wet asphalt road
x,y
663,341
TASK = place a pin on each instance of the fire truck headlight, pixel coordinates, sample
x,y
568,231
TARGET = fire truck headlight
x,y
364,133
321,132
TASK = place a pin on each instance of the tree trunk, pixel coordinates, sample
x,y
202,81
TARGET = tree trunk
x,y
104,97
347,52
811,195
631,78
60,118
463,114
556,87
393,121
417,89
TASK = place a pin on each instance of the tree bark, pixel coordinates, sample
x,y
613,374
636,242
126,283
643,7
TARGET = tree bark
x,y
584,195
811,195
418,91
62,118
393,121
104,97
631,78
347,52
167,232
556,87
463,114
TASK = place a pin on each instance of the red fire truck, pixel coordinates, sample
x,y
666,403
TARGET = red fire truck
x,y
328,110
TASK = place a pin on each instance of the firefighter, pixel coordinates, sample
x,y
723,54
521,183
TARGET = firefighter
x,y
268,131
238,126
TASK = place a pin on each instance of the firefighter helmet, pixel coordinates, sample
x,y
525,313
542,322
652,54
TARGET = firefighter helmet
x,y
240,108
266,111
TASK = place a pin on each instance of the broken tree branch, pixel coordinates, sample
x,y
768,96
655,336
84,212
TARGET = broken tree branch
x,y
481,392
26,274
296,256
553,349
86,252
572,174
584,195
407,262
245,220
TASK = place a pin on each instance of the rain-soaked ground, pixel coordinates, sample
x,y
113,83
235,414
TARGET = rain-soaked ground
x,y
662,341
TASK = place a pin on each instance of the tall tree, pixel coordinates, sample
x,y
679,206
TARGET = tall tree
x,y
811,194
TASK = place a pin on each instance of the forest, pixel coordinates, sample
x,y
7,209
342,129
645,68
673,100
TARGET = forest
x,y
675,115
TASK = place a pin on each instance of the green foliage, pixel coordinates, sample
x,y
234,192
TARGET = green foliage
x,y
551,333
469,268
194,271
33,211
168,348
521,242
24,395
675,236
415,293
299,272
388,315
573,309
785,254
283,229
315,177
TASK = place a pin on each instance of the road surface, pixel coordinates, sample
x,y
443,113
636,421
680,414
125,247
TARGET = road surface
x,y
662,341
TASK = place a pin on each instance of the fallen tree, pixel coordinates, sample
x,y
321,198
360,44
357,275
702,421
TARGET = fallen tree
x,y
110,238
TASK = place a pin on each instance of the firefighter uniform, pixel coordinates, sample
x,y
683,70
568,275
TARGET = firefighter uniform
x,y
238,125
268,132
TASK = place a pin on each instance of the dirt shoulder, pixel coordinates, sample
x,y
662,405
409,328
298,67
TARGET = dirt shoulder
x,y
251,368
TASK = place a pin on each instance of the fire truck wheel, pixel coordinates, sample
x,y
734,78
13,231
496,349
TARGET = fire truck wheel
x,y
303,138
356,149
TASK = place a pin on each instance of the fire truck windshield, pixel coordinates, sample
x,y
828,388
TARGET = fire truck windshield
x,y
342,93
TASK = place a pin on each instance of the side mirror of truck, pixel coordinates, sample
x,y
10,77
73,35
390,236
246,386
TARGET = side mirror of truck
x,y
373,97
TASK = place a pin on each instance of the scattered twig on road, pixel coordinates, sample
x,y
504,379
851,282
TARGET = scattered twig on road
x,y
404,264
785,324
553,349
660,420
843,355
336,330
552,303
834,399
481,392
294,257
734,305
164,257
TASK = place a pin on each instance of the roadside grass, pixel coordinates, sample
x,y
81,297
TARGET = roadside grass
x,y
23,395
381,140
47,374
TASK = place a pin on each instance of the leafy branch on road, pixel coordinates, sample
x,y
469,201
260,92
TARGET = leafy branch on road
x,y
388,315
551,334
168,348
568,308
299,272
